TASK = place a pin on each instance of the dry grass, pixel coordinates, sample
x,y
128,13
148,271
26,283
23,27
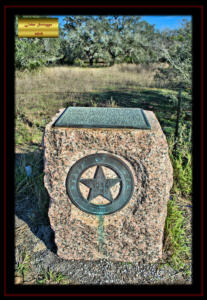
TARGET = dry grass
x,y
76,79
40,94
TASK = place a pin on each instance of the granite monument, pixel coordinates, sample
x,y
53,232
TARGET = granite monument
x,y
108,175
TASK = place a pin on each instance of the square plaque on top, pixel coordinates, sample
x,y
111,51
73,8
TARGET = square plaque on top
x,y
103,117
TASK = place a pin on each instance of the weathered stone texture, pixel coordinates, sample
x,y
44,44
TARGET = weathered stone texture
x,y
134,233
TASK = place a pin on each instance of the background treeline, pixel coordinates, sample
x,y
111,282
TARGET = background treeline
x,y
107,40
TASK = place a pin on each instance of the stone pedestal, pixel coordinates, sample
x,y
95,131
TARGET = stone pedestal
x,y
134,232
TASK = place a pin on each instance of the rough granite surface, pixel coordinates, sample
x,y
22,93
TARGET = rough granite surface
x,y
133,234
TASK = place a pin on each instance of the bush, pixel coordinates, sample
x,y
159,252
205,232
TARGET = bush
x,y
78,62
32,53
182,161
176,243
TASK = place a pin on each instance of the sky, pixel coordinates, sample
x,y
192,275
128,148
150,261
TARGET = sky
x,y
160,22
163,22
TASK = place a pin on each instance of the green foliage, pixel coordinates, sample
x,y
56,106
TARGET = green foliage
x,y
83,38
176,243
182,161
32,185
112,39
176,48
183,173
25,133
31,53
48,277
78,62
23,265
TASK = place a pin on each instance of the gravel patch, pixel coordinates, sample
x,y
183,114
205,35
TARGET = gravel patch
x,y
76,272
106,272
34,239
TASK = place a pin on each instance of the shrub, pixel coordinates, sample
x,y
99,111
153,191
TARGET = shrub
x,y
182,161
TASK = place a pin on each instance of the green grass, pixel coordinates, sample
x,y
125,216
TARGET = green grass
x,y
24,265
176,242
117,86
182,161
51,277
32,185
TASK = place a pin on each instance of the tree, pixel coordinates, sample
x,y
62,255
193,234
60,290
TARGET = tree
x,y
90,36
83,37
70,41
176,48
114,38
111,38
31,53
128,39
138,40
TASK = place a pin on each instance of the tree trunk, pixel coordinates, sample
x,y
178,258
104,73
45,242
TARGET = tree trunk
x,y
91,61
112,57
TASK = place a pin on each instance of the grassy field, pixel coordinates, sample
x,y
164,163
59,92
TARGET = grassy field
x,y
40,94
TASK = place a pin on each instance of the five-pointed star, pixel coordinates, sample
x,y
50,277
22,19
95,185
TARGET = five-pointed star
x,y
99,185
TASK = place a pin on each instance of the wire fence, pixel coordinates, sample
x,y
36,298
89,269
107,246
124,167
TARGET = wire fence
x,y
179,106
70,92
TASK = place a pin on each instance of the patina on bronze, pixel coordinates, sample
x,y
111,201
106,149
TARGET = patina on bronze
x,y
103,117
100,185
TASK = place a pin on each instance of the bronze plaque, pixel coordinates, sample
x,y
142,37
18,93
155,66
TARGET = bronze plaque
x,y
100,184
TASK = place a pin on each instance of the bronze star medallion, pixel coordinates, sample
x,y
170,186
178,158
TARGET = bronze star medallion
x,y
100,184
